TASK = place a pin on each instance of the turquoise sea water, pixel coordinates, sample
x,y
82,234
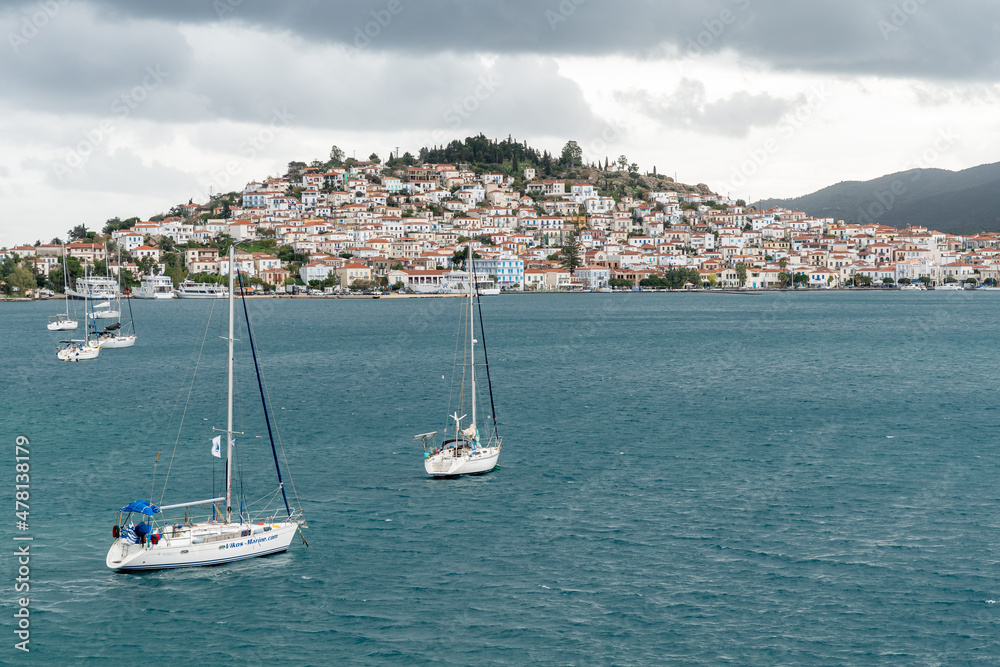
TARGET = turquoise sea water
x,y
687,479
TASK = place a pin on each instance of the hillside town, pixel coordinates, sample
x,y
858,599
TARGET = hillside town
x,y
365,224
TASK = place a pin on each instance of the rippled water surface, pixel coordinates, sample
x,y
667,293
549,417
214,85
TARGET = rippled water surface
x,y
687,479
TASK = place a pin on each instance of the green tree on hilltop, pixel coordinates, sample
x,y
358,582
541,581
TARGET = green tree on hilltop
x,y
572,154
336,157
79,232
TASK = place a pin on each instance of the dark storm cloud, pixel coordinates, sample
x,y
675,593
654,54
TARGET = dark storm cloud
x,y
86,64
923,38
78,64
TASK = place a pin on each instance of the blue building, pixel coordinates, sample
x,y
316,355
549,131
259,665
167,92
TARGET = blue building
x,y
508,272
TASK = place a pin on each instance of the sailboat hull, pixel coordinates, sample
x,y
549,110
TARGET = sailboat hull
x,y
117,341
80,352
444,464
152,295
63,325
185,551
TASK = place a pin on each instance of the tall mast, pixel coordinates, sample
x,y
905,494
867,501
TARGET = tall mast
x,y
118,278
65,281
86,304
229,400
472,333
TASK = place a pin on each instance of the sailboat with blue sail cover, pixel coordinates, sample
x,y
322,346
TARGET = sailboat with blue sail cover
x,y
145,539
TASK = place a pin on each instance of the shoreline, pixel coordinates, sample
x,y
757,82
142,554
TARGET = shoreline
x,y
744,292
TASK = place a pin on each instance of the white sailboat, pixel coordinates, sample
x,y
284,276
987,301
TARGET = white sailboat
x,y
466,453
113,337
145,540
62,321
119,334
102,311
80,349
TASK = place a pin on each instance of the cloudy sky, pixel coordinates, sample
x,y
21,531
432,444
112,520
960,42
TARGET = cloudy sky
x,y
120,108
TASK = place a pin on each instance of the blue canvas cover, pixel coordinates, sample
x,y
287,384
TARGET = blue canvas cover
x,y
141,506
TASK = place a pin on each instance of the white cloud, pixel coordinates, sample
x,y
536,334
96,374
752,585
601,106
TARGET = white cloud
x,y
689,107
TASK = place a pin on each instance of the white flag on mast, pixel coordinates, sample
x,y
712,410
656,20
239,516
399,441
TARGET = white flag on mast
x,y
217,446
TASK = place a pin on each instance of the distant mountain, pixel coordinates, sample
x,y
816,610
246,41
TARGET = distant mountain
x,y
955,202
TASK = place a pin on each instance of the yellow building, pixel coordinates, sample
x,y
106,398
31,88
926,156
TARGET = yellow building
x,y
348,273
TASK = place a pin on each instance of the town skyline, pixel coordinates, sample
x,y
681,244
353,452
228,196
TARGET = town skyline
x,y
552,224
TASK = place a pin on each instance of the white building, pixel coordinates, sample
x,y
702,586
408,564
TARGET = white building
x,y
315,271
594,277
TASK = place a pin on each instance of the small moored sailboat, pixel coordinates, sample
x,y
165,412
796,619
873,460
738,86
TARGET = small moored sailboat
x,y
81,349
77,350
62,321
121,333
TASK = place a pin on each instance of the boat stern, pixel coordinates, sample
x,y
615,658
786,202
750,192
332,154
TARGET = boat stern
x,y
122,554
